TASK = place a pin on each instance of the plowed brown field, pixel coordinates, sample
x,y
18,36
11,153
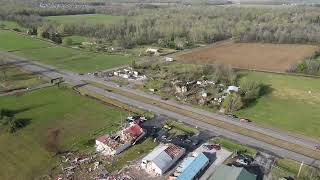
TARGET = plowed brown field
x,y
254,56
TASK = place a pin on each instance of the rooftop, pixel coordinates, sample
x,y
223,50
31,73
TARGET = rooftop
x,y
232,173
163,154
193,167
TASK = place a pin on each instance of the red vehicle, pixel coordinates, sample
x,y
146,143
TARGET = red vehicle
x,y
216,146
212,146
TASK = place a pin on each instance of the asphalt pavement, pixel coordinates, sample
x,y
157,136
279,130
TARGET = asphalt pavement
x,y
76,79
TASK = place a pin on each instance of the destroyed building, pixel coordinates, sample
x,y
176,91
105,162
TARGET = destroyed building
x,y
115,144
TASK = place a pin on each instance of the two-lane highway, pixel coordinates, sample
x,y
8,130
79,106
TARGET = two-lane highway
x,y
76,79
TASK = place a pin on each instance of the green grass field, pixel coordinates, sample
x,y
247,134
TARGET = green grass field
x,y
180,128
12,78
61,57
77,40
292,104
10,41
23,155
75,60
85,18
11,25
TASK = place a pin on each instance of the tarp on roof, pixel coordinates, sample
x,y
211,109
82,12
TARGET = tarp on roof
x,y
194,167
232,173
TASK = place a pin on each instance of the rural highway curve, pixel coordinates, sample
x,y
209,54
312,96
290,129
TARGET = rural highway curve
x,y
76,79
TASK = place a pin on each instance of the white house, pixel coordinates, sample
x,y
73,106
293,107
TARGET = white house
x,y
161,159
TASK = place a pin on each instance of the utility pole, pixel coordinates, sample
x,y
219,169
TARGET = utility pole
x,y
300,169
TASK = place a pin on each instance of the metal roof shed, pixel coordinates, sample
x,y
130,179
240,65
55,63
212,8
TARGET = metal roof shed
x,y
232,173
191,171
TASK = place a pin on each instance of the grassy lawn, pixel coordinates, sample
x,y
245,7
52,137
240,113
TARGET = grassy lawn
x,y
292,103
287,167
12,41
233,146
85,18
75,60
77,40
61,57
77,118
180,128
13,78
131,154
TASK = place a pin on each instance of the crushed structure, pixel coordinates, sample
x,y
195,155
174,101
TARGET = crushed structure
x,y
130,74
161,159
152,51
115,144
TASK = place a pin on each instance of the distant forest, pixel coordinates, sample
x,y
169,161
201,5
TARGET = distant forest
x,y
181,26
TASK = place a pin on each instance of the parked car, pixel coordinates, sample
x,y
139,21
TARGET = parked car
x,y
242,162
243,120
212,146
232,116
217,146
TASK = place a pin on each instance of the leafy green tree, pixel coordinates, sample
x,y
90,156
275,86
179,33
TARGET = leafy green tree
x,y
67,41
232,102
61,29
250,90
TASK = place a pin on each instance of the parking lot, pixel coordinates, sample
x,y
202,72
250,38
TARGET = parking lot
x,y
222,155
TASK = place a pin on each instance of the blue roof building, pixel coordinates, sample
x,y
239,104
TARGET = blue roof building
x,y
191,167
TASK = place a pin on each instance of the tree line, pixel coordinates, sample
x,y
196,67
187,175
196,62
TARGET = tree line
x,y
182,27
310,65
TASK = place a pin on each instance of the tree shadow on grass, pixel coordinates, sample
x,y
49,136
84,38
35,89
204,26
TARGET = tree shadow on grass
x,y
23,122
264,91
11,113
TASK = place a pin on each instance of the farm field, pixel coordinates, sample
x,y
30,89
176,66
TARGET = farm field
x,y
77,119
14,78
258,56
292,103
11,41
61,57
85,18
